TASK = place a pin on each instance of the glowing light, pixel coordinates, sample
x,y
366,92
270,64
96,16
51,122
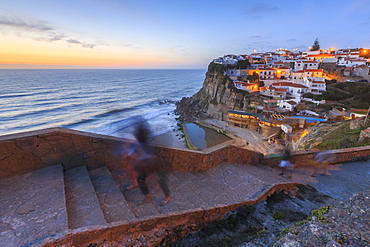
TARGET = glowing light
x,y
304,133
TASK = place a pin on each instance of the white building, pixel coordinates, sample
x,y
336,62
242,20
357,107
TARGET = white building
x,y
305,64
288,105
351,62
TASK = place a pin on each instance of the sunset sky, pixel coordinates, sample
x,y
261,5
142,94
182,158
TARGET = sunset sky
x,y
170,33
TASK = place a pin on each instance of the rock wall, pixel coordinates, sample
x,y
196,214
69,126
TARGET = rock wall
x,y
25,152
346,224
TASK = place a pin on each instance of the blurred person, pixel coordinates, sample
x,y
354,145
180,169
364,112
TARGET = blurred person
x,y
320,160
144,163
285,164
138,150
145,167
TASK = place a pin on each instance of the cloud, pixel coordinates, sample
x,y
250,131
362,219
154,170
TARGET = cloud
x,y
73,41
50,37
39,30
291,40
29,24
83,44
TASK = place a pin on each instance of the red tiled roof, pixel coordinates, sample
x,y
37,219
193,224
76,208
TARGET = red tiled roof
x,y
291,102
282,84
310,61
296,85
313,70
321,55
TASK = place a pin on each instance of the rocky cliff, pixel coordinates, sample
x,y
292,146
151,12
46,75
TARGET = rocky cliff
x,y
309,219
215,98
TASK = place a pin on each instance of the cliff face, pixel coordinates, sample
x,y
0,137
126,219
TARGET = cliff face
x,y
215,98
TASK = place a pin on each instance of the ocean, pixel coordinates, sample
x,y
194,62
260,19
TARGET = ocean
x,y
109,102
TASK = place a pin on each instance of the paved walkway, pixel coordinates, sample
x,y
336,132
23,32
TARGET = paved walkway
x,y
338,181
251,139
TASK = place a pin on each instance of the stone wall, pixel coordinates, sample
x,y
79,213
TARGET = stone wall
x,y
28,151
301,158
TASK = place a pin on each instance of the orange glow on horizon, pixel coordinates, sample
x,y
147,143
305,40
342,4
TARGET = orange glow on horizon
x,y
17,52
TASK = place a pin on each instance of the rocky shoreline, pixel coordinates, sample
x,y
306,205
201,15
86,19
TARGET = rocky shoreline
x,y
309,219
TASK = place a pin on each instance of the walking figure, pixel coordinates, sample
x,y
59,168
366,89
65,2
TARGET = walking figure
x,y
143,162
285,164
321,160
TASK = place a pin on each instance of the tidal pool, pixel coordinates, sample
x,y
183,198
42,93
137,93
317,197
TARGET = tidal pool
x,y
203,137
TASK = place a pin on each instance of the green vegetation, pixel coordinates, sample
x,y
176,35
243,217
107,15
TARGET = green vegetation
x,y
215,68
351,94
243,64
277,215
342,137
316,45
319,213
214,101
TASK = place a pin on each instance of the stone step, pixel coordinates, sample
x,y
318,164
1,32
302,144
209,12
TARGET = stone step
x,y
134,196
111,199
82,203
33,206
191,188
221,186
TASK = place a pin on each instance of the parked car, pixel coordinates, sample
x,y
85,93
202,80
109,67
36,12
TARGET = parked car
x,y
363,81
349,80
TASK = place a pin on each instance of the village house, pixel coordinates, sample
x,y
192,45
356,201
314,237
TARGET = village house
x,y
288,105
306,64
362,71
293,89
247,86
274,93
350,62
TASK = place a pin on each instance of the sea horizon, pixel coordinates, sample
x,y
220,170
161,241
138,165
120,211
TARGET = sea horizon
x,y
102,101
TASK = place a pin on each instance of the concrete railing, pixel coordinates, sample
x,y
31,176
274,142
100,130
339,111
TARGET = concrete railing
x,y
28,151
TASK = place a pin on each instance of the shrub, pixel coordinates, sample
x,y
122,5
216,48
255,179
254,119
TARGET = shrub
x,y
277,215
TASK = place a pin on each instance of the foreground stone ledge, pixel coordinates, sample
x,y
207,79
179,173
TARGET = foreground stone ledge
x,y
151,230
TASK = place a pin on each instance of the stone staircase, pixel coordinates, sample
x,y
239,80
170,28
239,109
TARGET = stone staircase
x,y
50,201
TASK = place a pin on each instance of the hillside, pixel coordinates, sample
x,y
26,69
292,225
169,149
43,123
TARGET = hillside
x,y
337,135
348,94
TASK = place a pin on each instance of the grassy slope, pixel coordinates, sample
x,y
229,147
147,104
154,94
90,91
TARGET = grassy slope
x,y
340,137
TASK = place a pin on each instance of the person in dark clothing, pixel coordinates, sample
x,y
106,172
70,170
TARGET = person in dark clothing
x,y
143,134
145,163
152,164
